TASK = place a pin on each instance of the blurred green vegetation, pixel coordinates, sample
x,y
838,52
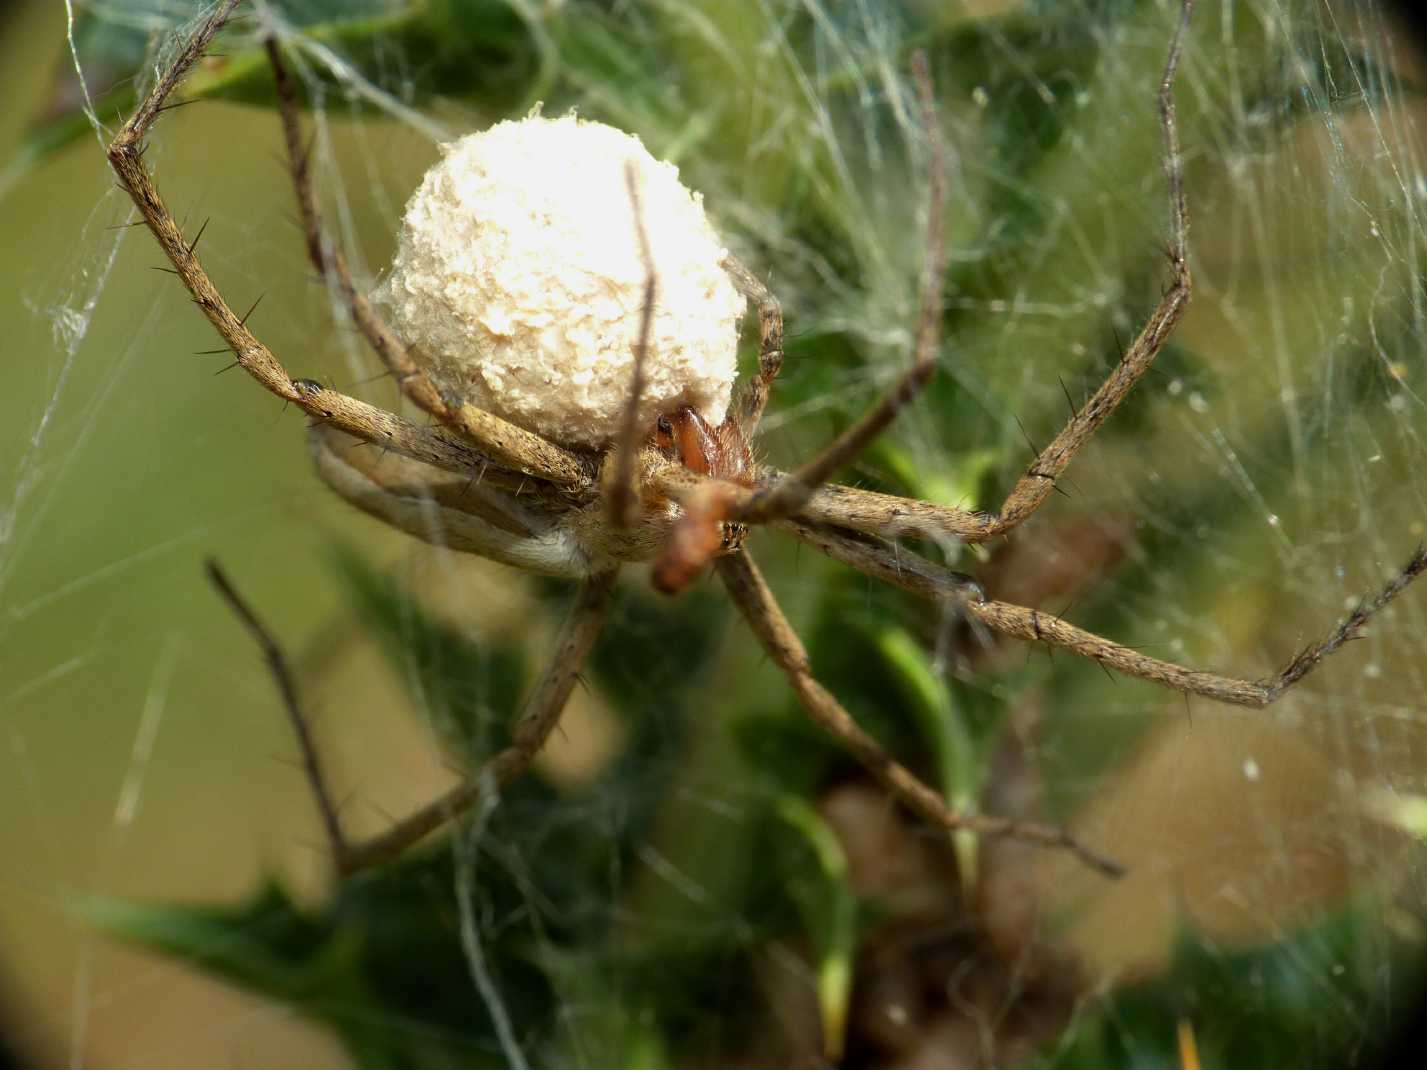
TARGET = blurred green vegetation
x,y
707,894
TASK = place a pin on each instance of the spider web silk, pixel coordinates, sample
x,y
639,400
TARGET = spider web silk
x,y
1265,474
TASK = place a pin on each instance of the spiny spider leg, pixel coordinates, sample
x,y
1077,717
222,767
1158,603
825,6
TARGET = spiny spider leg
x,y
491,513
916,574
787,495
292,704
795,493
765,617
754,398
508,445
327,258
622,488
434,446
1032,489
541,714
707,503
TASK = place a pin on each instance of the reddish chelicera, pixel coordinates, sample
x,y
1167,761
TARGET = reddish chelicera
x,y
719,452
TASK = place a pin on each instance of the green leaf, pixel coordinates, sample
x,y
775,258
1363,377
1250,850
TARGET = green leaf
x,y
1328,994
816,871
381,964
959,758
482,50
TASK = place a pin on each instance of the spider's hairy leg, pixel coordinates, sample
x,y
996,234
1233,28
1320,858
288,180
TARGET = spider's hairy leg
x,y
126,157
437,447
847,508
491,512
916,574
788,494
887,515
1024,623
764,616
504,442
621,474
539,718
748,408
1032,489
430,445
292,705
1348,629
801,492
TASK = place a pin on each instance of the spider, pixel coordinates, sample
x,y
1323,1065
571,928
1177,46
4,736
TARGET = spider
x,y
681,496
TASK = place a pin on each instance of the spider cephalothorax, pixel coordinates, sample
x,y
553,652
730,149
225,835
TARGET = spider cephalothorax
x,y
645,484
527,524
719,452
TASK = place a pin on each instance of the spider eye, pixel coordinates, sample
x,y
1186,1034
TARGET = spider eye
x,y
664,426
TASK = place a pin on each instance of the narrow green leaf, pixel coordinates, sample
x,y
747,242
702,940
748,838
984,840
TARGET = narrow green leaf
x,y
959,758
829,911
